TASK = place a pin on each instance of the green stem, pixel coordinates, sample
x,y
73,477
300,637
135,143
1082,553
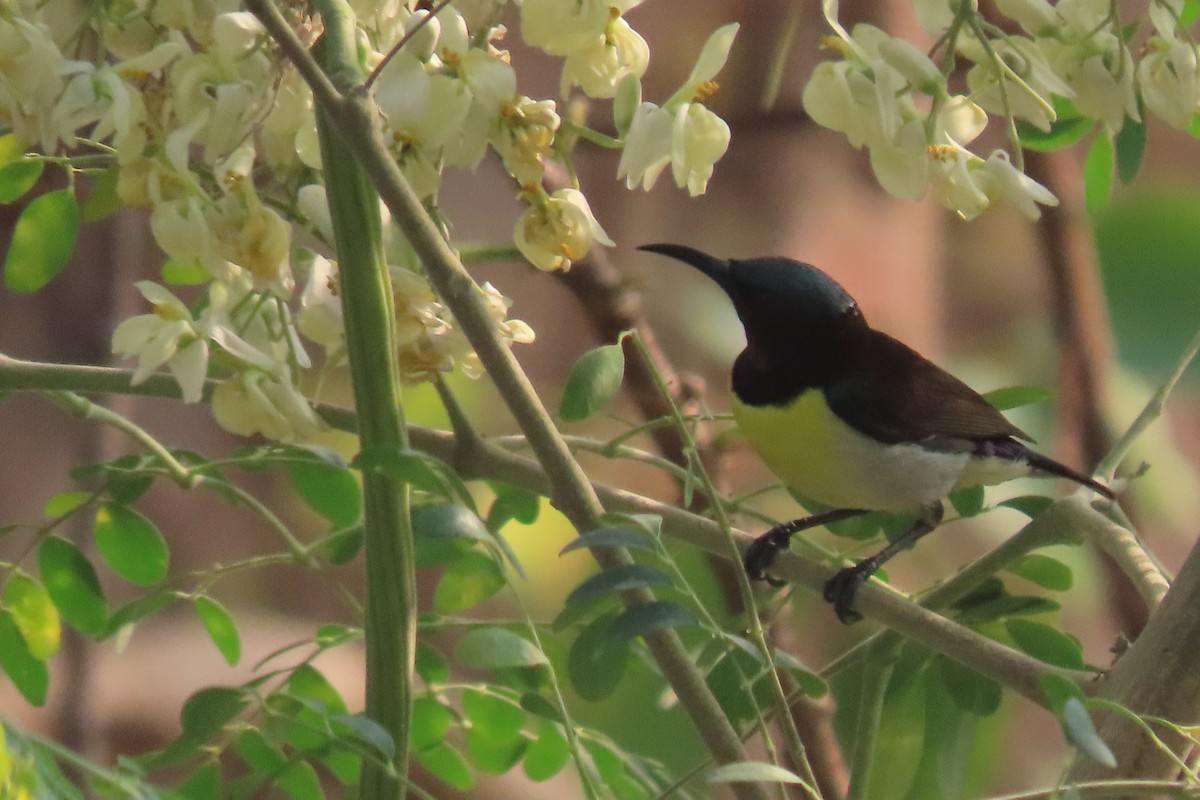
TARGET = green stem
x,y
391,615
876,677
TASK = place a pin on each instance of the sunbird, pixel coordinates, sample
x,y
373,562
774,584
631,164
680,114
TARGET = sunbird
x,y
851,418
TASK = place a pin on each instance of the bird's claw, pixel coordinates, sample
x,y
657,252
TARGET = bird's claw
x,y
840,591
761,554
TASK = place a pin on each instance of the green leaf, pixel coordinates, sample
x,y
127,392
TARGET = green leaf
x,y
137,610
1058,689
42,241
547,754
18,177
1064,132
203,784
102,200
447,764
444,530
967,501
1046,643
1098,173
72,583
27,672
511,504
617,579
341,547
418,469
430,722
1031,505
610,537
539,705
1017,396
496,718
751,772
258,753
1081,732
495,648
1130,146
307,682
131,545
644,618
366,732
470,579
492,757
64,503
431,664
300,782
971,691
1190,12
34,614
592,382
332,492
812,683
594,663
209,710
1047,572
221,628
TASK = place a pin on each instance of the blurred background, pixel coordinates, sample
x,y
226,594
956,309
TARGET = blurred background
x,y
1094,306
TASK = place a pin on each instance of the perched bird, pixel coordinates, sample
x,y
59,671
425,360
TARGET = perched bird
x,y
850,417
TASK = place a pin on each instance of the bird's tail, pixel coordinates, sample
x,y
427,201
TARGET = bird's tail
x,y
1048,466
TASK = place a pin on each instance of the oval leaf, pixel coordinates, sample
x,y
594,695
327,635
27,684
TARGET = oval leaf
x,y
751,772
207,711
131,545
28,673
470,579
547,754
72,583
595,664
221,628
610,537
18,178
617,579
496,718
495,648
431,720
643,618
448,764
593,381
1047,572
1017,396
1046,643
42,241
1098,173
34,614
332,492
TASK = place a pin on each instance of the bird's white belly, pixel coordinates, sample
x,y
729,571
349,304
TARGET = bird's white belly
x,y
824,459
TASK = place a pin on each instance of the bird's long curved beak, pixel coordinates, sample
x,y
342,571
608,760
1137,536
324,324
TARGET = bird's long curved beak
x,y
719,269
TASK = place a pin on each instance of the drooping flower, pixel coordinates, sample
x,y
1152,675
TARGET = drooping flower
x,y
558,230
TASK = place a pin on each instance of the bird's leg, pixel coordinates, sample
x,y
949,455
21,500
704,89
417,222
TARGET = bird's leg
x,y
841,588
763,550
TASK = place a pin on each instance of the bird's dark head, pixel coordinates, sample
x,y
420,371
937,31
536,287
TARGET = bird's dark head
x,y
781,302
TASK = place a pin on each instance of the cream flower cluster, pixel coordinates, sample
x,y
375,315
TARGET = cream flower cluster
x,y
606,58
886,94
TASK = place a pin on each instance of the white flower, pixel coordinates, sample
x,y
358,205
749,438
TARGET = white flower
x,y
168,336
901,164
524,136
647,146
1035,16
600,68
561,27
421,108
1004,183
259,402
1030,101
182,230
1100,71
558,230
954,175
255,238
698,140
1167,76
320,316
711,60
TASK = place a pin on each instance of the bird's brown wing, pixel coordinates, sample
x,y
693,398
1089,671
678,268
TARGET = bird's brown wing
x,y
894,395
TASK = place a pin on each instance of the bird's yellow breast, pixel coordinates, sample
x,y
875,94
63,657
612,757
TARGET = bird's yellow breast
x,y
817,454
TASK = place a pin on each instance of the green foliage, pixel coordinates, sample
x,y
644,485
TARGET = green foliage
x,y
131,545
221,628
73,586
592,383
1099,173
43,240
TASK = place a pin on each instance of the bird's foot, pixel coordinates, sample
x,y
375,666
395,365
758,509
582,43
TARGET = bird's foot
x,y
841,588
762,552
